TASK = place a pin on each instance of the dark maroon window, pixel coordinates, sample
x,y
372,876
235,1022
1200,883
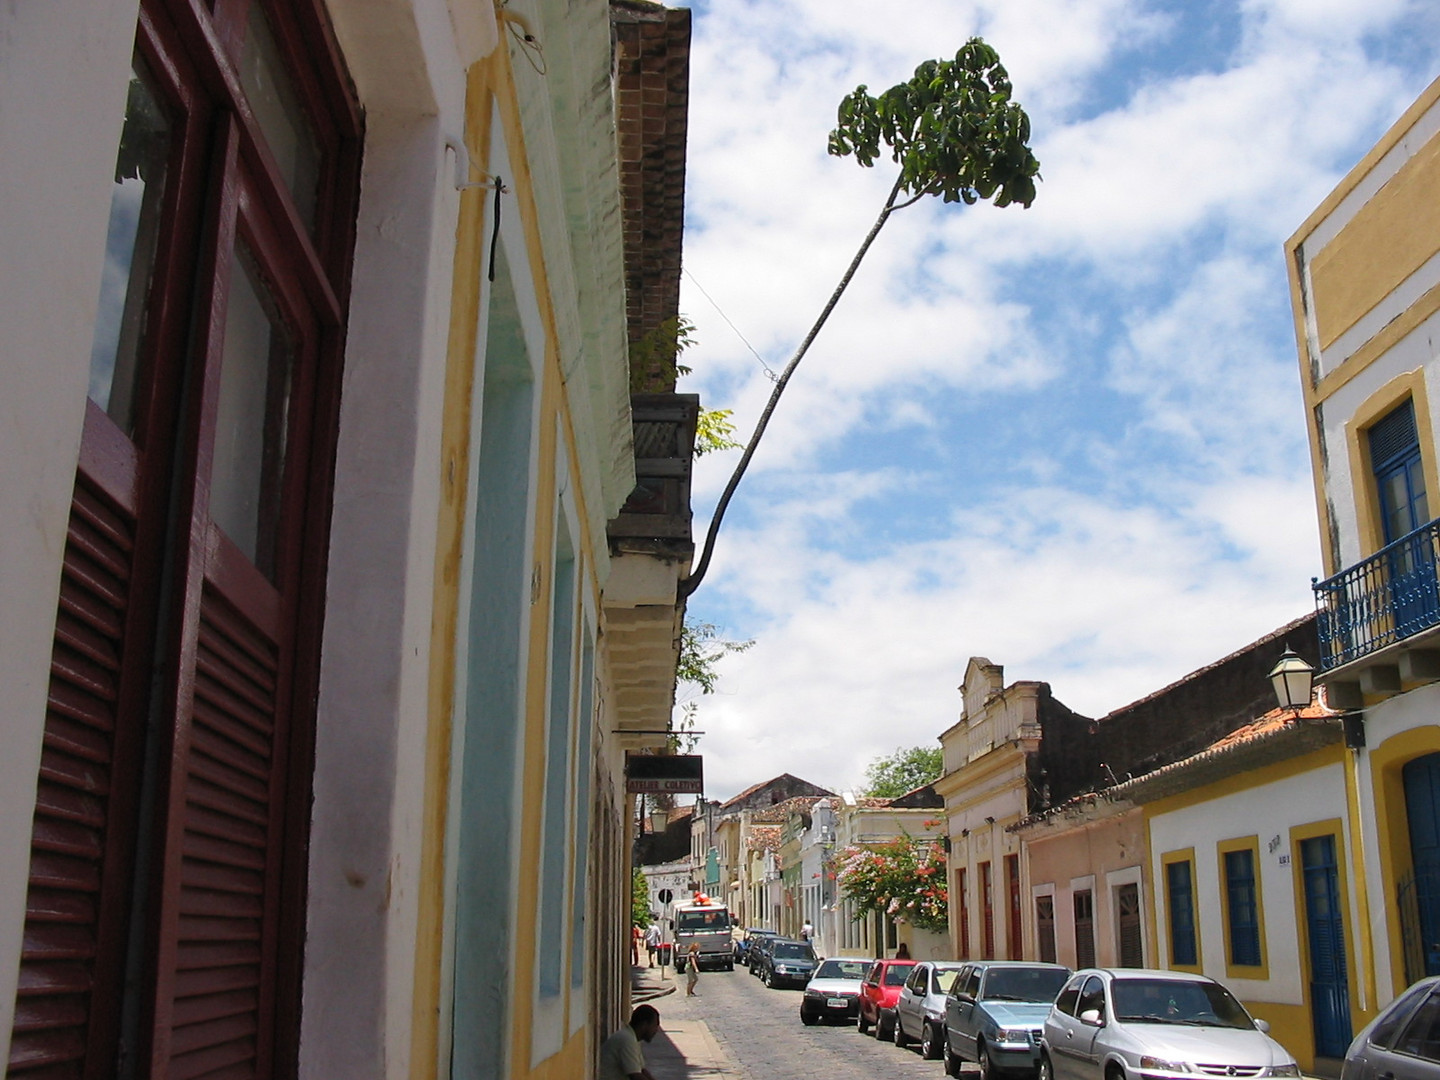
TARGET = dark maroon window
x,y
178,736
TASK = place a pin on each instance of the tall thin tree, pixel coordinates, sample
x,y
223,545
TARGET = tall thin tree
x,y
954,132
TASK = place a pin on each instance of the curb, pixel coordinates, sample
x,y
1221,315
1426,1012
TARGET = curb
x,y
640,994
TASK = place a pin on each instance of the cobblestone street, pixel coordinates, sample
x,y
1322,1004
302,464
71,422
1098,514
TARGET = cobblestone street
x,y
759,1031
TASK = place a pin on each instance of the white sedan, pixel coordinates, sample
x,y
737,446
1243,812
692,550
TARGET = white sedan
x,y
1130,1024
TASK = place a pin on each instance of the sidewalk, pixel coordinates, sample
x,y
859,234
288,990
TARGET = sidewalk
x,y
685,1049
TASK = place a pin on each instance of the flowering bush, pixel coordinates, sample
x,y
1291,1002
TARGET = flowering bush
x,y
905,878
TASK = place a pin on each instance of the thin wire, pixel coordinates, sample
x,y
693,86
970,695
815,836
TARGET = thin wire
x,y
769,374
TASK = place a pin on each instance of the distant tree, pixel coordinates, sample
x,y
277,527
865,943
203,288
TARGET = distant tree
x,y
906,769
954,131
639,899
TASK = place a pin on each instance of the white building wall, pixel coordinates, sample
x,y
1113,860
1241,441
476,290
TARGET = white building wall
x,y
64,69
1268,811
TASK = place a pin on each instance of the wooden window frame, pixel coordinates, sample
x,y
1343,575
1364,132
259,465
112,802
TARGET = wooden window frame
x,y
1169,858
1233,970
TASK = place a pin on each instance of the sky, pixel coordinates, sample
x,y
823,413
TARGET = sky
x,y
1069,438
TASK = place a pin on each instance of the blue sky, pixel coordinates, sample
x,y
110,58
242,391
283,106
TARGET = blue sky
x,y
1069,438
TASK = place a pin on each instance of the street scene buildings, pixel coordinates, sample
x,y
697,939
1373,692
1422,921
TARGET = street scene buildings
x,y
347,485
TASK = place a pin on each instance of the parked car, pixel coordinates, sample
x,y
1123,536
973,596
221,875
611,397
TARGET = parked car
x,y
995,1012
742,944
878,994
833,992
755,957
787,963
1159,1024
1403,1041
920,1007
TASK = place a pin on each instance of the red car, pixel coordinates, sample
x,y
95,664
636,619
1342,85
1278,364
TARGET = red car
x,y
878,994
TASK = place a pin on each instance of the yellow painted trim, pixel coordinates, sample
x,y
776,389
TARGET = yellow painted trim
x,y
1260,971
1389,238
455,440
986,770
1392,825
988,765
1386,339
1392,136
1369,1002
1298,833
1182,855
1290,1026
1248,780
1147,882
1410,385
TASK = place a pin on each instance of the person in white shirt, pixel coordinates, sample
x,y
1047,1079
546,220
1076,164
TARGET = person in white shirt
x,y
652,941
620,1055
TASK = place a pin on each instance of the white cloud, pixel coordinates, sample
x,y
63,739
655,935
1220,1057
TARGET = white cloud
x,y
1104,480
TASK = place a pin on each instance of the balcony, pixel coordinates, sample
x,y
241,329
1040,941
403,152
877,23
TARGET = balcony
x,y
1379,620
650,551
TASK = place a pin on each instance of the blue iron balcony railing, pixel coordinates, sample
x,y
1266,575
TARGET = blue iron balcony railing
x,y
1391,596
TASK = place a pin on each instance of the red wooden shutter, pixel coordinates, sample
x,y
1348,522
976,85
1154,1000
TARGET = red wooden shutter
x,y
77,893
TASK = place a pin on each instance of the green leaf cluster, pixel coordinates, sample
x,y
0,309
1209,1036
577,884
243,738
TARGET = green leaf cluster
x,y
655,358
639,899
701,648
952,128
713,431
905,770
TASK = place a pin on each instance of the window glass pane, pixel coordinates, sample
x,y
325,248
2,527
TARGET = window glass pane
x,y
1385,1030
1244,917
1422,1034
1182,914
251,419
130,245
277,109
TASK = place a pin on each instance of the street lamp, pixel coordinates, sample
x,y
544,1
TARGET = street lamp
x,y
1291,676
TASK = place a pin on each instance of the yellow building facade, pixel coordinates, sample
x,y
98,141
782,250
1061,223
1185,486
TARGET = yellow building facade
x,y
1365,284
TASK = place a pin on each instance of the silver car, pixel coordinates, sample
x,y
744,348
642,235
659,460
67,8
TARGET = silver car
x,y
833,992
1403,1041
1127,1023
920,1008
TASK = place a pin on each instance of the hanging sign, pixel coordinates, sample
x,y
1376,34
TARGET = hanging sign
x,y
672,774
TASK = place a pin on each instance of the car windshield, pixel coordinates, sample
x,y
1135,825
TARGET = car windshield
x,y
1171,1001
896,974
695,921
841,969
941,981
788,951
1023,984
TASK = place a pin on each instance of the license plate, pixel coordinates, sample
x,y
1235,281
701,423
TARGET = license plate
x,y
838,1003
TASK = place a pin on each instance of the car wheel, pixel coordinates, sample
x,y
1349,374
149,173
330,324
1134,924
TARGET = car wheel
x,y
862,1023
929,1042
901,1039
885,1027
1114,1072
770,980
987,1067
952,1060
1045,1071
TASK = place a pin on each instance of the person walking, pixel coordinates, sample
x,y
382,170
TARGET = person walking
x,y
692,968
807,931
652,941
620,1055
